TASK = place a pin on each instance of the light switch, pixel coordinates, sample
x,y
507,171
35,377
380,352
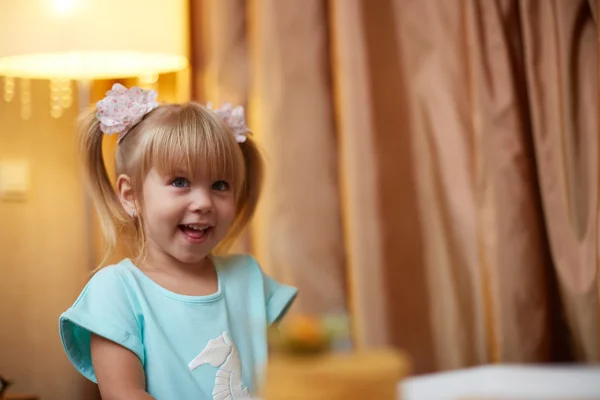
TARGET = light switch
x,y
14,179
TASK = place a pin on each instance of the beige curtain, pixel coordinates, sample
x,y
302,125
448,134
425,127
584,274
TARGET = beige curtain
x,y
298,232
432,166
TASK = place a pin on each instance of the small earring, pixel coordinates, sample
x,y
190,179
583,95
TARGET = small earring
x,y
132,213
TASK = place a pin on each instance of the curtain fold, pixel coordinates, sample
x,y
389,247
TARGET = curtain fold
x,y
389,290
445,146
560,41
513,251
223,27
298,230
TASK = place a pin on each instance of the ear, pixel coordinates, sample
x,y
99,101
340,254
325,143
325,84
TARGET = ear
x,y
126,194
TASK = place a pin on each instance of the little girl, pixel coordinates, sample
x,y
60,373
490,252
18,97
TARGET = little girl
x,y
176,321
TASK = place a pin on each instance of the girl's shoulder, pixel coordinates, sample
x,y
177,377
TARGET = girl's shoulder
x,y
236,261
236,258
109,284
240,266
112,279
245,275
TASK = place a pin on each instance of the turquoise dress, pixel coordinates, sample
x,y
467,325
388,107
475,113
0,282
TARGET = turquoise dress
x,y
191,347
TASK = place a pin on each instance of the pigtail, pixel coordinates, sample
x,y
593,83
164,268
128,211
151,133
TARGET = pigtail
x,y
100,189
250,192
253,181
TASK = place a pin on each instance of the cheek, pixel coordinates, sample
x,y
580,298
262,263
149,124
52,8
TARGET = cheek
x,y
227,209
161,212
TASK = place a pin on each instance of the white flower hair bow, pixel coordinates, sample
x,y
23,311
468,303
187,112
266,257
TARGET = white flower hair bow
x,y
123,108
234,118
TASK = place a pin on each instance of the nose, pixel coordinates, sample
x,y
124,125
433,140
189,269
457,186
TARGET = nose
x,y
202,201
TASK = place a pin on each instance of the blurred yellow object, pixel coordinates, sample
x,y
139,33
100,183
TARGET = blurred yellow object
x,y
336,376
90,65
304,332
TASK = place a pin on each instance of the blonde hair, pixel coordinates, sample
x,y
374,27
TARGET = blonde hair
x,y
169,137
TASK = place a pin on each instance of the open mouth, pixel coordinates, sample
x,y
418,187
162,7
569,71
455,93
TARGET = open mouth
x,y
195,233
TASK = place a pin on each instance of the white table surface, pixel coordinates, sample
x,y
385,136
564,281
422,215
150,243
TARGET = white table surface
x,y
506,382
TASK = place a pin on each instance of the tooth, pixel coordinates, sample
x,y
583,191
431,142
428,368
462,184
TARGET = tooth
x,y
197,228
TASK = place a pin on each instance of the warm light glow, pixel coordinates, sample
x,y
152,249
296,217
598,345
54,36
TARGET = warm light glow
x,y
63,7
72,42
91,65
58,26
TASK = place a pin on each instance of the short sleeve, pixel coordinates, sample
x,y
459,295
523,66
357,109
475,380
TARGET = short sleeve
x,y
102,308
278,297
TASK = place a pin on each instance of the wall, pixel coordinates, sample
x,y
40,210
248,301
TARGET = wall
x,y
43,250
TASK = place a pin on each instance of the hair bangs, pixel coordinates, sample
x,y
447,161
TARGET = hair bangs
x,y
194,144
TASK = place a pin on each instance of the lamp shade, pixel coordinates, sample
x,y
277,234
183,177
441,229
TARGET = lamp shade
x,y
92,39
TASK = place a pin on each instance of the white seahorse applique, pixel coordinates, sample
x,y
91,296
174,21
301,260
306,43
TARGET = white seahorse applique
x,y
221,353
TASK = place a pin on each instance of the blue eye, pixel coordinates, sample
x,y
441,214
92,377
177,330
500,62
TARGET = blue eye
x,y
220,186
180,182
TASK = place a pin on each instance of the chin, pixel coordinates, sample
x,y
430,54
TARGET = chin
x,y
190,258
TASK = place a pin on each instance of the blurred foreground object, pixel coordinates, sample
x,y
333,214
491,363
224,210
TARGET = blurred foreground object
x,y
304,366
494,382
